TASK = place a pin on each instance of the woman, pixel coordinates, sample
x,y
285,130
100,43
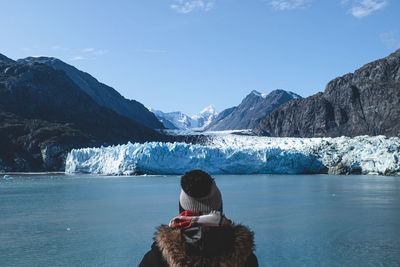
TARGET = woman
x,y
201,235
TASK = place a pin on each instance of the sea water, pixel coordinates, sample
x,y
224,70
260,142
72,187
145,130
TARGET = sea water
x,y
298,220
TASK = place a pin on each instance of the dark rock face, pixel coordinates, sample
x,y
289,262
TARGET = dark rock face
x,y
218,121
44,114
366,102
249,113
102,94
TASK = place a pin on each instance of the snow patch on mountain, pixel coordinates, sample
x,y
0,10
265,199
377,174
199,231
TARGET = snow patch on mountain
x,y
294,95
255,92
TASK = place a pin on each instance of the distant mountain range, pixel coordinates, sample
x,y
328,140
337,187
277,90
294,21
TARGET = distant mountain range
x,y
48,107
366,102
254,107
178,120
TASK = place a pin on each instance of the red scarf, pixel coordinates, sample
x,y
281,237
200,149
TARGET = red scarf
x,y
188,219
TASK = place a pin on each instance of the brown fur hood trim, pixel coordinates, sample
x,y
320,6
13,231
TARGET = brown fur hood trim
x,y
177,253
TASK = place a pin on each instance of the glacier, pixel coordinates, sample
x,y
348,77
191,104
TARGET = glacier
x,y
237,154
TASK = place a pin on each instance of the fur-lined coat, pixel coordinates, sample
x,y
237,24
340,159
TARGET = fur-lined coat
x,y
202,246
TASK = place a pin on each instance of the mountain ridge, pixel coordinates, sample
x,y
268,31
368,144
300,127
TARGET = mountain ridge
x,y
365,102
101,93
251,110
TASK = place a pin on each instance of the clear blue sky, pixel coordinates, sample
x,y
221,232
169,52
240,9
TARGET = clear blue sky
x,y
185,55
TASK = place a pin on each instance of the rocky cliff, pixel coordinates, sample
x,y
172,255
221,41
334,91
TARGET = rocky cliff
x,y
366,102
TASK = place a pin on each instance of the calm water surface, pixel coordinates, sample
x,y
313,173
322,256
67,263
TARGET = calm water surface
x,y
298,220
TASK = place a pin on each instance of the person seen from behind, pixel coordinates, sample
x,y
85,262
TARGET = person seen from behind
x,y
201,235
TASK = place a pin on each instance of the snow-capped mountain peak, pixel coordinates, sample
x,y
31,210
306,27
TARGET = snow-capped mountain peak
x,y
208,110
179,120
205,117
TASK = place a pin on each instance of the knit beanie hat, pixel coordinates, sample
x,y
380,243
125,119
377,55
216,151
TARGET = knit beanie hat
x,y
199,192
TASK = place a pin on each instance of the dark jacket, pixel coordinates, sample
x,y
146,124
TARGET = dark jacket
x,y
225,246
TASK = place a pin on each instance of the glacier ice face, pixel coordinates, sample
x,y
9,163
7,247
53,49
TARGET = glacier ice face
x,y
233,154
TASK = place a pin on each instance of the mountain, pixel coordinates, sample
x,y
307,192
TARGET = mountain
x,y
4,59
43,114
251,110
366,102
205,117
178,120
102,94
167,118
173,120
